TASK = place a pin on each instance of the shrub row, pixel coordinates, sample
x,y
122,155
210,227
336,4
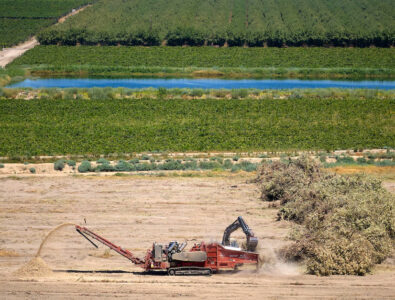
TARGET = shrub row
x,y
379,159
135,165
60,164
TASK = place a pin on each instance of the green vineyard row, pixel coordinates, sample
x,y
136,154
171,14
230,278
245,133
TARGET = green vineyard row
x,y
51,127
211,57
360,23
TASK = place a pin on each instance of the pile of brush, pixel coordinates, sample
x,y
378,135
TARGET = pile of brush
x,y
347,223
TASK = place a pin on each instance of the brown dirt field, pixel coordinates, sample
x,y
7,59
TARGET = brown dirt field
x,y
134,212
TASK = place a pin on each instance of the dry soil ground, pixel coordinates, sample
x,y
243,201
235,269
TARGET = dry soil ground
x,y
136,211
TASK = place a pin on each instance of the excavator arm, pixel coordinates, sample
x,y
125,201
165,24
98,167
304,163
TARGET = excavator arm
x,y
252,241
86,233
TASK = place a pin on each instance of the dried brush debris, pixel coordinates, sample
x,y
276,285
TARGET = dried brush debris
x,y
347,222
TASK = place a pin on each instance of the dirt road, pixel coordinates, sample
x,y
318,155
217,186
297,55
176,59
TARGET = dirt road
x,y
136,211
8,55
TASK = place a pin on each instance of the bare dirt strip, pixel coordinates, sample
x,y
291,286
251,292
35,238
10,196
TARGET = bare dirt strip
x,y
8,55
136,211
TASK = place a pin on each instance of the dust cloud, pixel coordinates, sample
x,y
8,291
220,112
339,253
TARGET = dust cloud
x,y
272,264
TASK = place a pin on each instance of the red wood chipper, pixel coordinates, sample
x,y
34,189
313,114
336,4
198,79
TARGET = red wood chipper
x,y
201,259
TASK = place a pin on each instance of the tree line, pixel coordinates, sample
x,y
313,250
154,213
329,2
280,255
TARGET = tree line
x,y
193,37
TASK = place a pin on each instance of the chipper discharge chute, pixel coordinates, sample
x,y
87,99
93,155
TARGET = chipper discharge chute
x,y
201,259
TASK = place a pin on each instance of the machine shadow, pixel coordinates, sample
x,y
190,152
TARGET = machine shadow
x,y
142,273
155,273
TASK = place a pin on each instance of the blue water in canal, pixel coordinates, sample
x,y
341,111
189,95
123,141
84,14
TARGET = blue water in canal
x,y
140,83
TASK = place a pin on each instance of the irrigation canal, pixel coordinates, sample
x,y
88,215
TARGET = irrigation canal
x,y
141,83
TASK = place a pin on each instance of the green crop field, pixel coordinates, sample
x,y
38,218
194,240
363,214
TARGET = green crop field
x,y
319,62
211,57
52,127
233,22
38,8
20,19
14,31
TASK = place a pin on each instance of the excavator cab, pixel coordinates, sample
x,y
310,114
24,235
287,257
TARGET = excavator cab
x,y
234,243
